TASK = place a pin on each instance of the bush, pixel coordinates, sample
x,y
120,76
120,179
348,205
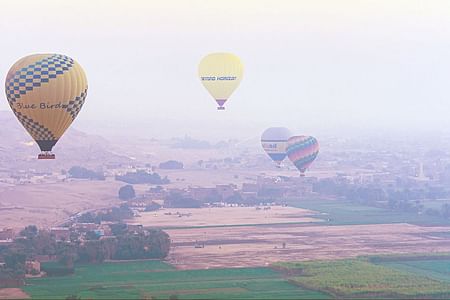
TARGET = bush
x,y
56,269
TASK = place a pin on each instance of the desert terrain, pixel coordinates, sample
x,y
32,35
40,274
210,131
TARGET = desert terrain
x,y
46,205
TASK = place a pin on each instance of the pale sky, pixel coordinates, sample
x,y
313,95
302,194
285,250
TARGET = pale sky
x,y
314,66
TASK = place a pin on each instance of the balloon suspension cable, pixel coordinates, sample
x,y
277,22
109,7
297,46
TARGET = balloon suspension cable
x,y
46,155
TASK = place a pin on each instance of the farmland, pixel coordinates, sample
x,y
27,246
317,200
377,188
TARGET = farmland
x,y
436,269
224,216
245,246
319,229
397,276
359,278
347,213
146,279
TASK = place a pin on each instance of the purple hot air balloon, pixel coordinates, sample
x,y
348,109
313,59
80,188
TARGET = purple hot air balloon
x,y
302,151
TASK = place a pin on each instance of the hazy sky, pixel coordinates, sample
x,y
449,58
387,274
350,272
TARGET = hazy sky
x,y
314,66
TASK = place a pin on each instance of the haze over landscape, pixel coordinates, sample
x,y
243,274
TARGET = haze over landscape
x,y
378,64
327,175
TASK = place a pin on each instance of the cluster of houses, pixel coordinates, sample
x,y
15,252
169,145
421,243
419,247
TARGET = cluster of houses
x,y
265,188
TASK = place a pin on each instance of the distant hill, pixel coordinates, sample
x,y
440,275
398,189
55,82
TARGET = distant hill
x,y
18,150
191,143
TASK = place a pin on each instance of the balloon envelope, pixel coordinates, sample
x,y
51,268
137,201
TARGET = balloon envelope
x,y
46,93
302,151
220,74
274,142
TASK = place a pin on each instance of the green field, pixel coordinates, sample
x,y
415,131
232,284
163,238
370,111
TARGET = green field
x,y
436,204
158,280
435,269
339,212
359,278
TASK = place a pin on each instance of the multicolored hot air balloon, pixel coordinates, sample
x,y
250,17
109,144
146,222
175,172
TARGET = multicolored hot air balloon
x,y
46,93
274,142
220,74
302,151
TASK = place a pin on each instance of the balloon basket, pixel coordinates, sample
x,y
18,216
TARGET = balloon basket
x,y
220,108
46,155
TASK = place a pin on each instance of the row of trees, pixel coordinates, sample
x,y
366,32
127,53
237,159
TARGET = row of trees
x,y
405,199
153,243
115,214
142,176
83,173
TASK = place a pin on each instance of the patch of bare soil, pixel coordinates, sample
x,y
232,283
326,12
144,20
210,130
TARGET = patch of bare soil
x,y
13,293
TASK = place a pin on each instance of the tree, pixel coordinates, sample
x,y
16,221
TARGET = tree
x,y
152,207
158,242
15,261
29,232
127,192
92,235
118,228
151,244
67,253
177,200
93,252
87,218
115,214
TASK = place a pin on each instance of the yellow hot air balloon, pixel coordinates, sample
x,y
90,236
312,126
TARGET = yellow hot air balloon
x,y
46,93
220,74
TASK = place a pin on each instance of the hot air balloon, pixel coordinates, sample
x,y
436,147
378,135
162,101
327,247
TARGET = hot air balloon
x,y
220,74
274,141
46,93
302,151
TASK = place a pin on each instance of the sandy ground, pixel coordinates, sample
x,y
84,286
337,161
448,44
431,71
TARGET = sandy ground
x,y
48,204
13,293
215,216
261,245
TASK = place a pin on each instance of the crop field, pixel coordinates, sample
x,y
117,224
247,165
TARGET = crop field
x,y
436,269
224,216
158,280
338,212
252,246
358,278
435,204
